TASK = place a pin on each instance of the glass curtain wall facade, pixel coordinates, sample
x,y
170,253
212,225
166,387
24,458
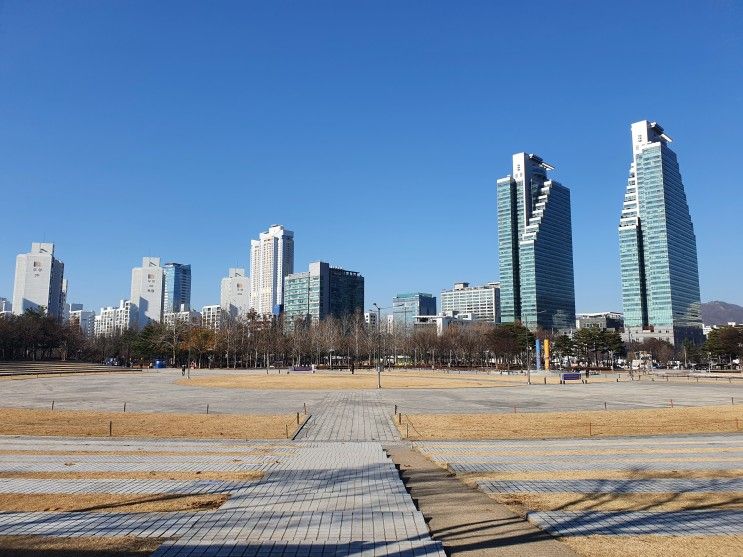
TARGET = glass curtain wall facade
x,y
535,247
321,292
177,288
657,244
406,306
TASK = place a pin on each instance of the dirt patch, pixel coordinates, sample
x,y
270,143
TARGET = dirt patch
x,y
84,423
655,546
84,546
570,501
109,502
554,425
605,475
595,452
246,452
153,475
328,382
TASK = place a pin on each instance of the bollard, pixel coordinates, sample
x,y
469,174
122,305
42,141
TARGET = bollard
x,y
399,418
671,403
207,408
407,431
52,405
125,407
287,430
545,380
732,401
395,408
297,418
110,428
604,405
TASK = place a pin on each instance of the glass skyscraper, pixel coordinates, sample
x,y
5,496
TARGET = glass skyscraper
x,y
535,247
321,292
177,287
657,245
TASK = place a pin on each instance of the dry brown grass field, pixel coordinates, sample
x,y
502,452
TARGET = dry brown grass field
x,y
108,502
85,423
150,475
98,546
655,546
554,425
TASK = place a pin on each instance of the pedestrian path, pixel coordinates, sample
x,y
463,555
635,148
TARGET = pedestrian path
x,y
316,498
350,416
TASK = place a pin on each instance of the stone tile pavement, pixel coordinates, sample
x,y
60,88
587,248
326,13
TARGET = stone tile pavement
x,y
649,454
351,416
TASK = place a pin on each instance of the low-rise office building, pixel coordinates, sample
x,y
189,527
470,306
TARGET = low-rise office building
x,y
443,321
609,320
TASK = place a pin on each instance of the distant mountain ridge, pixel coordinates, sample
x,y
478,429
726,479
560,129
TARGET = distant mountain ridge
x,y
721,313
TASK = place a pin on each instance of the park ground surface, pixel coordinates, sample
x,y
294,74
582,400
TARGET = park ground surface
x,y
660,471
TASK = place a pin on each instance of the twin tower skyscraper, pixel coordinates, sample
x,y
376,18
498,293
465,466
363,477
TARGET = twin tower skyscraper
x,y
658,254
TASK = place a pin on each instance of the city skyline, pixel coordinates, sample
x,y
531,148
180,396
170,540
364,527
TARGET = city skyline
x,y
368,152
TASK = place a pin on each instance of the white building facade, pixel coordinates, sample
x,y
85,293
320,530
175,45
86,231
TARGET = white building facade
x,y
112,320
83,319
235,293
212,317
271,259
38,281
147,292
482,302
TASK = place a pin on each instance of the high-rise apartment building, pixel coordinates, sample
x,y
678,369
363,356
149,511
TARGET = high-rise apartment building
x,y
482,302
405,307
271,259
176,288
38,281
235,293
535,247
6,307
147,292
83,319
113,320
322,291
657,245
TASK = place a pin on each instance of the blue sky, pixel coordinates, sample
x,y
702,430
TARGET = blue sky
x,y
376,130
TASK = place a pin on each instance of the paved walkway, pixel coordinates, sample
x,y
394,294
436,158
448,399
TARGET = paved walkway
x,y
561,458
350,416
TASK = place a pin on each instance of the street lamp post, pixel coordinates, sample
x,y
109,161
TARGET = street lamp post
x,y
379,346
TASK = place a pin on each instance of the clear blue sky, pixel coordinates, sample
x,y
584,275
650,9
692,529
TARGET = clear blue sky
x,y
376,130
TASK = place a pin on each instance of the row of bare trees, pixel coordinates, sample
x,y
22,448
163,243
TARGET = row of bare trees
x,y
252,342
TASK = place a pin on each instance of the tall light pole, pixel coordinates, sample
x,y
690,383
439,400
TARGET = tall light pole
x,y
379,345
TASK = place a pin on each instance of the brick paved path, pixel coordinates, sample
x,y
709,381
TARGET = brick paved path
x,y
317,498
350,416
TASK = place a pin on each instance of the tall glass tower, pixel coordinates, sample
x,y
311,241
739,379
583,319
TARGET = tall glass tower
x,y
177,287
535,247
657,245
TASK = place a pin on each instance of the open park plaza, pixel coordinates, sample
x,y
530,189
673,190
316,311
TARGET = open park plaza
x,y
230,463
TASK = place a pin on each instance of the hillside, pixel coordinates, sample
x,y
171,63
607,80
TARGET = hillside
x,y
720,313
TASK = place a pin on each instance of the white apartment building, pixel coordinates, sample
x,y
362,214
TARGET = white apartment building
x,y
271,259
147,292
113,320
235,293
370,318
38,281
83,319
483,302
212,317
188,316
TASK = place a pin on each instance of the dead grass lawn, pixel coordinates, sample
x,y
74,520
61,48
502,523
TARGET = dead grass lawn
x,y
553,425
108,502
569,501
90,546
604,475
85,423
331,382
655,546
152,475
